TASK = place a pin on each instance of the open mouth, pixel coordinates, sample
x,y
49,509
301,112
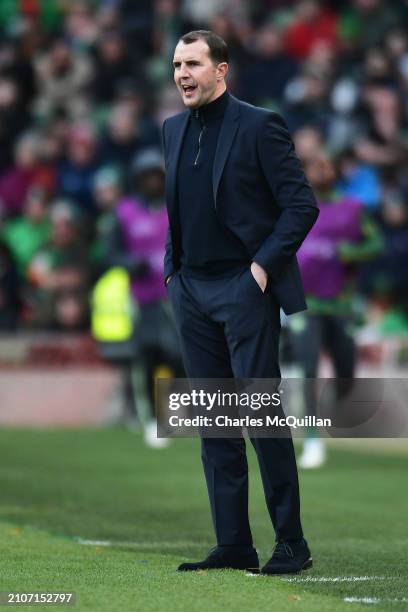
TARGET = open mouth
x,y
189,89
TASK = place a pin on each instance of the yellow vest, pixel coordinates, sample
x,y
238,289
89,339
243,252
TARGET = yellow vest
x,y
113,311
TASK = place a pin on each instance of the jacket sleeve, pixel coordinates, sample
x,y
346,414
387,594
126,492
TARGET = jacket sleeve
x,y
291,191
168,255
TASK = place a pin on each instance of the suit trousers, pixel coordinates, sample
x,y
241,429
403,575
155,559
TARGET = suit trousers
x,y
229,328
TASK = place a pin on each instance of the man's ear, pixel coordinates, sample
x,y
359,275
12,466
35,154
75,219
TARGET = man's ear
x,y
222,70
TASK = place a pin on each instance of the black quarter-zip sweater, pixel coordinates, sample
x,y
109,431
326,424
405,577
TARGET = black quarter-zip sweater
x,y
208,249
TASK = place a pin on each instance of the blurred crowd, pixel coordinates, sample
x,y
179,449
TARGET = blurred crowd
x,y
86,85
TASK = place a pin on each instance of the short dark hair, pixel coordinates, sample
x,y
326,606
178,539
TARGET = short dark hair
x,y
218,50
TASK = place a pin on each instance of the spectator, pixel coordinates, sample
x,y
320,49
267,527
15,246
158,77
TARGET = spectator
x,y
366,22
341,238
396,42
120,353
14,119
75,173
200,13
107,187
138,27
386,280
25,235
308,140
112,65
16,64
79,25
312,25
127,133
378,68
52,143
306,98
382,142
59,273
237,35
137,243
359,180
70,310
28,170
63,80
265,76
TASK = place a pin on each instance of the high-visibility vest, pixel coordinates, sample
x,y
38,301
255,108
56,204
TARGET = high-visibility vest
x,y
113,311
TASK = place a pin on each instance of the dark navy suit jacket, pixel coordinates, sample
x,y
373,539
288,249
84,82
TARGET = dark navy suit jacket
x,y
260,193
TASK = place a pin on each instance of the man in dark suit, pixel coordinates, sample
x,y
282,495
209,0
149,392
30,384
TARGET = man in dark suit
x,y
239,207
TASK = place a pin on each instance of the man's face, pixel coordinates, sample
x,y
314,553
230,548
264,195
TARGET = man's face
x,y
197,78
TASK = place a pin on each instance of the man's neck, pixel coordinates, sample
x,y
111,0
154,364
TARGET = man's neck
x,y
218,93
212,110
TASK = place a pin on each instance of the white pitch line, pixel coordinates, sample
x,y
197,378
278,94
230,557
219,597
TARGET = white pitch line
x,y
338,578
375,600
146,545
366,600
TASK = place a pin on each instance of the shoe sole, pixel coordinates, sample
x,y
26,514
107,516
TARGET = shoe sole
x,y
307,565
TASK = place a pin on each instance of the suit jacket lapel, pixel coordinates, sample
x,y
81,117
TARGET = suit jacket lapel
x,y
225,139
171,174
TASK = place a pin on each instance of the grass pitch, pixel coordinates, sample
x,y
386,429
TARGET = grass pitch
x,y
97,513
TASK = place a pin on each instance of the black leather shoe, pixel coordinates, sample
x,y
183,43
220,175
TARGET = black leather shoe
x,y
222,557
289,558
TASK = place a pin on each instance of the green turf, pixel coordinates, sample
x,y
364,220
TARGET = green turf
x,y
59,486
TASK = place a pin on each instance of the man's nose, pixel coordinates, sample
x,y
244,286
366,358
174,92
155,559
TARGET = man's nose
x,y
184,71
